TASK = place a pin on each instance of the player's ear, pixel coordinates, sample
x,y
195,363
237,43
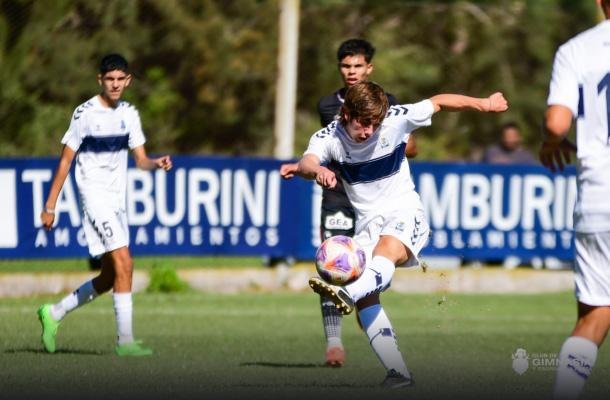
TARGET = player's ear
x,y
99,79
344,114
369,69
128,80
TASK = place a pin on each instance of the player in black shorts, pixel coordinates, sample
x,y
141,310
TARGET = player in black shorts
x,y
337,216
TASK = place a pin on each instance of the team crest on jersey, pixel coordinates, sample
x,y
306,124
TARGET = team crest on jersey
x,y
122,125
383,142
400,226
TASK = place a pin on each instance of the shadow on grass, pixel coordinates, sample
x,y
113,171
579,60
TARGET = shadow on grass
x,y
61,351
281,365
313,386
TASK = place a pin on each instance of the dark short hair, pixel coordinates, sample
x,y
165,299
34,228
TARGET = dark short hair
x,y
510,125
365,102
113,62
352,47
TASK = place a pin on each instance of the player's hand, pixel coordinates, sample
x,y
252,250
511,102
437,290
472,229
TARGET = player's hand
x,y
554,156
326,178
288,171
47,219
164,162
496,103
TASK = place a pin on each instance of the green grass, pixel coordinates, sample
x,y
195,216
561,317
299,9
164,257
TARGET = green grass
x,y
270,345
81,264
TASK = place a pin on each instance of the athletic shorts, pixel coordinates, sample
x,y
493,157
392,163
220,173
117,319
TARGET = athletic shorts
x,y
337,220
409,226
105,227
592,268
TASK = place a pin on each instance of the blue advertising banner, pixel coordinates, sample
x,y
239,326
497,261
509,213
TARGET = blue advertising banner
x,y
241,206
488,212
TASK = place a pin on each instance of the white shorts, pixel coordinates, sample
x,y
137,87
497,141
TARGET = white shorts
x,y
105,227
409,226
592,268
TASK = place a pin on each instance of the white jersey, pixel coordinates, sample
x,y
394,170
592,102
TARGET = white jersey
x,y
375,172
101,137
581,82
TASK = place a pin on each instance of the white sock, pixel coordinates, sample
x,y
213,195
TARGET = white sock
x,y
382,338
123,311
333,342
331,319
375,278
83,295
576,360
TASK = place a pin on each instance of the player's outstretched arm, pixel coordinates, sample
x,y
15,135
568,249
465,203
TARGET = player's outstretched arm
x,y
555,150
309,168
457,102
47,216
148,164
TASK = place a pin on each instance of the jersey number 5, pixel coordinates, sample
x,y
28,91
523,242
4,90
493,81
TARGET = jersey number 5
x,y
107,229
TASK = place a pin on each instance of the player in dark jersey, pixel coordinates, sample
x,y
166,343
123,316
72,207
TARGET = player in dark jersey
x,y
337,217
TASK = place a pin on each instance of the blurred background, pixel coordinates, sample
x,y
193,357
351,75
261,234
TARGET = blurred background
x,y
206,70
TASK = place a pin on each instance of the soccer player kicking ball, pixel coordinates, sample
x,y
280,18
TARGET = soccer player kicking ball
x,y
354,58
580,88
100,133
367,145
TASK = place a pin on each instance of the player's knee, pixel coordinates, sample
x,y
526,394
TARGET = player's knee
x,y
123,265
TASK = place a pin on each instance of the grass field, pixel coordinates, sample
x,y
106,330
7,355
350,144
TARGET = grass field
x,y
81,264
270,345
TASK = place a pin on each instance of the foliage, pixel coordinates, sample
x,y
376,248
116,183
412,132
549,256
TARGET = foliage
x,y
205,70
164,279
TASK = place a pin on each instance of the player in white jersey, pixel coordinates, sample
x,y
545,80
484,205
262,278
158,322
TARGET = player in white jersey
x,y
580,88
354,57
101,132
367,146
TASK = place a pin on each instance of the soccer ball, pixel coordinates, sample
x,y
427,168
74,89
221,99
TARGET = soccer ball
x,y
339,260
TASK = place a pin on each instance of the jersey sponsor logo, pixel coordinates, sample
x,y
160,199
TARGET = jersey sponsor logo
x,y
338,221
373,170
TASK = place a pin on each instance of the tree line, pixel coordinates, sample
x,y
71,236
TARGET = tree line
x,y
205,70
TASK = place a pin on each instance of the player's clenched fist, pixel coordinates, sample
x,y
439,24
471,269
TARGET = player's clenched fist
x,y
326,178
497,103
164,162
47,218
